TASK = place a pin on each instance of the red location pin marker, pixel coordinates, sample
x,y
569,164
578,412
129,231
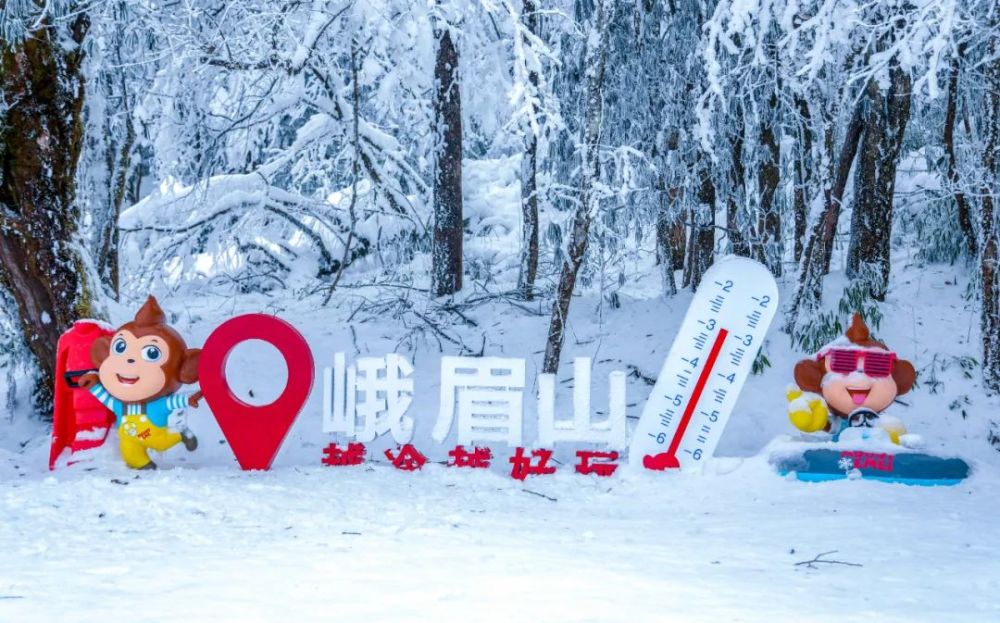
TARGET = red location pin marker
x,y
255,433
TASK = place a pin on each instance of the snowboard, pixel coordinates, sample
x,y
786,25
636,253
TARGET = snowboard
x,y
910,468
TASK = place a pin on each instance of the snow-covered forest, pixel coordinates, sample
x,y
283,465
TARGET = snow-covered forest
x,y
536,178
310,149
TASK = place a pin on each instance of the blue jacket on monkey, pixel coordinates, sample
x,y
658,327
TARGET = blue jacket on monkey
x,y
139,371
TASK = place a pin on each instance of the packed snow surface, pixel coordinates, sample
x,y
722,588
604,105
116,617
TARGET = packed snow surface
x,y
371,543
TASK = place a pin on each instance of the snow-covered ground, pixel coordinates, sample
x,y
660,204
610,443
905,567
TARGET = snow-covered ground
x,y
201,540
370,543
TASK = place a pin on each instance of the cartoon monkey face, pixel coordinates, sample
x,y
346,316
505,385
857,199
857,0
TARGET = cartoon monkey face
x,y
145,359
133,370
857,389
856,373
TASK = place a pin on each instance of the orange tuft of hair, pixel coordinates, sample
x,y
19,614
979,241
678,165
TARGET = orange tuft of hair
x,y
858,333
150,314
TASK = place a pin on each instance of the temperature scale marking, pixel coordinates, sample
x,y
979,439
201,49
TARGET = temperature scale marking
x,y
668,459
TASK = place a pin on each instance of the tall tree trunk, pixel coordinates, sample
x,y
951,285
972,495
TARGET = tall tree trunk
x,y
769,225
594,62
678,243
989,256
42,260
446,270
835,194
886,116
819,248
803,175
529,180
951,109
666,220
671,235
110,192
120,166
735,226
701,245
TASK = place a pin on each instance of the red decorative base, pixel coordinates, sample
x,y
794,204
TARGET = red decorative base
x,y
660,462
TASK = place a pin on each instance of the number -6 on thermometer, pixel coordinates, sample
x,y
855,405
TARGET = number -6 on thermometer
x,y
708,363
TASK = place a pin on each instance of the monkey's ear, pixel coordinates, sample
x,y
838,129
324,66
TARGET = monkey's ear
x,y
809,375
905,375
100,350
189,367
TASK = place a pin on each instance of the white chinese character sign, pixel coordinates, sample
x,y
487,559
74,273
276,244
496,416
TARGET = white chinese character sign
x,y
582,428
481,400
487,395
368,398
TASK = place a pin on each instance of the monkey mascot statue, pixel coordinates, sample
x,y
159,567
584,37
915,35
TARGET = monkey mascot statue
x,y
139,370
849,384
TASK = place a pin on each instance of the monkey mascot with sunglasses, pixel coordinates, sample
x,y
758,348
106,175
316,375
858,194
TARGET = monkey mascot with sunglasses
x,y
850,383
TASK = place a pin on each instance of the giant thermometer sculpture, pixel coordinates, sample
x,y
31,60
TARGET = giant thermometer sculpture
x,y
708,363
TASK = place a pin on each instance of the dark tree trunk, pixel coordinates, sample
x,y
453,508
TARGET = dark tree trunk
x,y
666,226
119,189
835,194
529,214
886,116
529,181
678,243
119,165
446,270
735,226
671,231
803,175
989,255
964,213
819,248
595,60
701,244
768,247
42,262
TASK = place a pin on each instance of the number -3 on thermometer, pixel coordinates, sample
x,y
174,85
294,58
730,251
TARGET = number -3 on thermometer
x,y
708,363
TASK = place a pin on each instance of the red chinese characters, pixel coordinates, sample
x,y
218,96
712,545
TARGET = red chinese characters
x,y
599,463
524,463
409,458
523,466
479,458
335,456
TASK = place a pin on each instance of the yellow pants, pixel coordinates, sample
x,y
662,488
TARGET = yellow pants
x,y
137,435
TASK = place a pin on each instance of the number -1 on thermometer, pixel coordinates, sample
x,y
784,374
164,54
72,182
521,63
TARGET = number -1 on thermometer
x,y
708,363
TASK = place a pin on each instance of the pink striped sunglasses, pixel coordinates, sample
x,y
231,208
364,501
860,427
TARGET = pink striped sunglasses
x,y
845,360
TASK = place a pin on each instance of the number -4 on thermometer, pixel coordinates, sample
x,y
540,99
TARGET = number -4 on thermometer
x,y
708,363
